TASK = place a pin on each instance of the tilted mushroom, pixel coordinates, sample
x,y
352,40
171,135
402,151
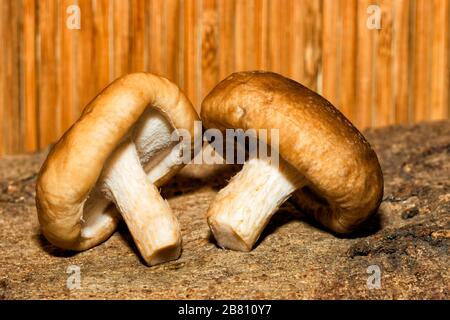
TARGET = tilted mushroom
x,y
129,126
324,161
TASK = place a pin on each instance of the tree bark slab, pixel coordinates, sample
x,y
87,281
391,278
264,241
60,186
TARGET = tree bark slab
x,y
409,239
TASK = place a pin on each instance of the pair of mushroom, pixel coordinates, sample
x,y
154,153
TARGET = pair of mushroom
x,y
113,159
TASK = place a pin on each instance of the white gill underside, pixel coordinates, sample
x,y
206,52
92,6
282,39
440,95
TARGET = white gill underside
x,y
125,182
243,208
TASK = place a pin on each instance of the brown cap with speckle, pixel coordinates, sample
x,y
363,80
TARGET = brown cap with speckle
x,y
101,158
344,182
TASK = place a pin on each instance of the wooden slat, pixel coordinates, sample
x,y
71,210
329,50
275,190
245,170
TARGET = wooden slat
x,y
312,48
68,74
156,37
9,78
440,64
192,47
260,34
121,39
137,36
48,62
275,42
385,102
364,68
305,41
3,63
227,18
30,112
285,33
298,41
102,34
330,50
174,32
85,80
245,35
348,57
401,60
254,34
422,52
210,59
240,34
18,78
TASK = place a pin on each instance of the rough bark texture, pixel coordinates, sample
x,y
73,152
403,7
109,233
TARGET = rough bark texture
x,y
409,239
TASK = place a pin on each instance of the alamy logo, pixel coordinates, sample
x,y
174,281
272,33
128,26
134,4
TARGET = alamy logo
x,y
374,20
74,279
374,280
73,20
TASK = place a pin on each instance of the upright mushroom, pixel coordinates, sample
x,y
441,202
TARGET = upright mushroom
x,y
324,160
119,150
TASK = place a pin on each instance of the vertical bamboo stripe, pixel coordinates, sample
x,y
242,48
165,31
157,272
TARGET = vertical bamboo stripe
x,y
348,57
173,36
364,67
422,63
137,36
260,34
275,41
70,109
156,37
330,50
192,47
227,25
47,71
400,60
440,64
101,43
210,59
9,77
283,36
84,79
298,38
29,65
310,51
385,101
121,37
241,35
4,130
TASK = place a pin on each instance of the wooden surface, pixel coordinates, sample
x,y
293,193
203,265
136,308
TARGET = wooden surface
x,y
409,239
398,74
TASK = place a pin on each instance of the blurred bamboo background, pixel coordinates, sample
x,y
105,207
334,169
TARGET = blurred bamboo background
x,y
48,73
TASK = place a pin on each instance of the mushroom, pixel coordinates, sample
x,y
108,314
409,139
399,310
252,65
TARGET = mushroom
x,y
325,162
120,149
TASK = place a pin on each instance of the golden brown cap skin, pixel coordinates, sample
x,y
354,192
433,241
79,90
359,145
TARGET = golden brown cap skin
x,y
76,161
345,182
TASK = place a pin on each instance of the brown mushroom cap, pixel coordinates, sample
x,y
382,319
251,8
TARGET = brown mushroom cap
x,y
344,178
75,163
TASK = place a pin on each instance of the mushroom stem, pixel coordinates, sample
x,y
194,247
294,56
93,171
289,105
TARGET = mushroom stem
x,y
243,208
148,216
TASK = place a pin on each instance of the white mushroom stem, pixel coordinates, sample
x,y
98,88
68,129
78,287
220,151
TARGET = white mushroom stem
x,y
243,208
146,159
148,216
